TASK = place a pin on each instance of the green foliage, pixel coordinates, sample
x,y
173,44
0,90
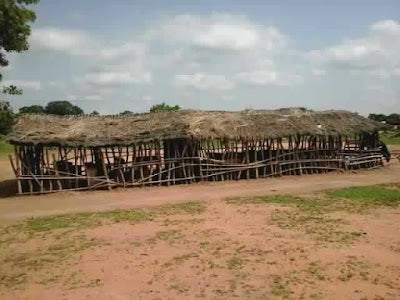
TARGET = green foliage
x,y
12,90
5,147
62,108
164,107
126,113
393,119
14,26
390,137
94,113
32,109
377,117
6,118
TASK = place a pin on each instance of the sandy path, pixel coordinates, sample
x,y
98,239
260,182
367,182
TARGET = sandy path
x,y
13,208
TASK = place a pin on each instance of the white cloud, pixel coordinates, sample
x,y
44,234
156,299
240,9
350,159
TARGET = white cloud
x,y
386,26
318,72
260,77
219,32
269,77
24,84
132,50
73,42
203,81
379,51
80,97
57,84
93,98
113,78
120,64
188,56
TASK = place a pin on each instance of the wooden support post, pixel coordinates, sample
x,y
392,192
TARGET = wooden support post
x,y
18,170
60,187
105,169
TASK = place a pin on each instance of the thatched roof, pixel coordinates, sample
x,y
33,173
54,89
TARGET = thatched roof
x,y
125,130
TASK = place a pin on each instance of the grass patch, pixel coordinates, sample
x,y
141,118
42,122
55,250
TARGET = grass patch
x,y
235,263
61,238
390,137
354,199
320,227
192,207
132,216
5,147
316,270
354,269
305,204
279,287
312,214
169,235
89,219
366,197
45,256
177,260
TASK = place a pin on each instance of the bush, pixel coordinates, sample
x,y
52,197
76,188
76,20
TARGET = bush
x,y
62,108
164,107
6,118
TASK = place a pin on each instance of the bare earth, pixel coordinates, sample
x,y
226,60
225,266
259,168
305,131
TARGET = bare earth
x,y
227,249
14,207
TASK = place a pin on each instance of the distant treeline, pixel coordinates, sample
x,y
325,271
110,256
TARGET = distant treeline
x,y
61,108
392,119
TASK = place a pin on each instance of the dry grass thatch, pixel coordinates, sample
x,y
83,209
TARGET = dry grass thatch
x,y
248,124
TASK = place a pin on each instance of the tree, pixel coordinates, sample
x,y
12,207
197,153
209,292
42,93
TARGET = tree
x,y
14,27
62,108
11,90
393,119
6,117
126,113
164,107
32,109
94,113
377,117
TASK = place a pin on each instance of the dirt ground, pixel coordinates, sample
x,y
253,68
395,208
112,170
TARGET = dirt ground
x,y
221,245
211,250
17,207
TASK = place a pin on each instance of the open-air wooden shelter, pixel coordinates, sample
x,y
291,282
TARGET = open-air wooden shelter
x,y
54,153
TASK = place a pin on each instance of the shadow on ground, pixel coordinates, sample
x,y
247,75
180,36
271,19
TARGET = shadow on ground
x,y
8,188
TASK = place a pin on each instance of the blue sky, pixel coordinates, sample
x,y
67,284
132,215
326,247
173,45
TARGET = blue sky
x,y
119,55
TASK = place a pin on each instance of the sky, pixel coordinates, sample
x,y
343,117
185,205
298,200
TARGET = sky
x,y
118,55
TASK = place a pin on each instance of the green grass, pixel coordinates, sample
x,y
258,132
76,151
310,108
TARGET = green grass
x,y
320,227
90,219
354,199
15,265
313,214
62,237
5,147
191,207
390,137
369,196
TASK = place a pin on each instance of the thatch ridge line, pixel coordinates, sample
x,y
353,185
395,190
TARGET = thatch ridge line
x,y
248,124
